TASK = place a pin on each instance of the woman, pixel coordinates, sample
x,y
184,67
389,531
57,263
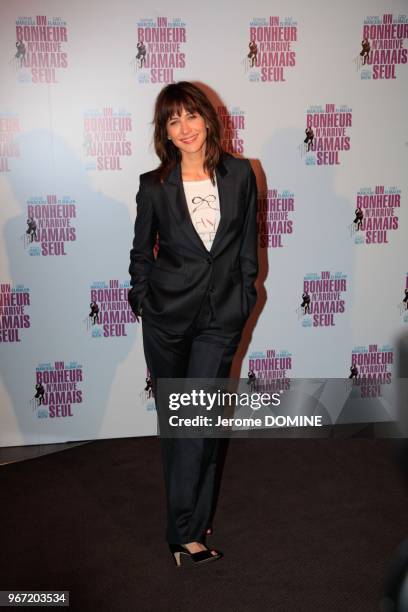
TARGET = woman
x,y
196,295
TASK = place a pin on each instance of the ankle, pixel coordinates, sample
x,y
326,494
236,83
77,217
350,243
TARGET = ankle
x,y
193,544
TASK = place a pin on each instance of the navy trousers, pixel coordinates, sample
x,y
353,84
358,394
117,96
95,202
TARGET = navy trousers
x,y
189,464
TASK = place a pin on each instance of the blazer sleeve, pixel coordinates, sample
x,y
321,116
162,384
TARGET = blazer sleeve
x,y
249,246
141,254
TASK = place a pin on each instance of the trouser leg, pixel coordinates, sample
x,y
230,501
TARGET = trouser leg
x,y
211,357
167,357
189,464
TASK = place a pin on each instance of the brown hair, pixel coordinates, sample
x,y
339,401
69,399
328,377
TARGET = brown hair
x,y
170,101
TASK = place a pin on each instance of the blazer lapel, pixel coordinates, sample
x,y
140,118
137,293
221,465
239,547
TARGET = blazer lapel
x,y
173,187
223,183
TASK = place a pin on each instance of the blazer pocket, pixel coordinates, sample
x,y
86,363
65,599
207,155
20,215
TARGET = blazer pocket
x,y
167,277
236,276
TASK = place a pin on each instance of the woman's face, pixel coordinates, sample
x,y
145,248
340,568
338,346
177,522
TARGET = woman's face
x,y
187,131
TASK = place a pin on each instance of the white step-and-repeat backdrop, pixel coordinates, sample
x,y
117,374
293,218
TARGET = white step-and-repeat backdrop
x,y
313,93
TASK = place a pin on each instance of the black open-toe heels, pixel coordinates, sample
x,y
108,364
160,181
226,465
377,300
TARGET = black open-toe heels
x,y
182,555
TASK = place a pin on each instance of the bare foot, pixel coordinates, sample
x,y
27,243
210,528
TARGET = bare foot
x,y
195,547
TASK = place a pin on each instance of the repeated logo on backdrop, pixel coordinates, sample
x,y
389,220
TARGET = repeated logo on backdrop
x,y
9,148
14,316
271,53
160,51
57,389
233,124
269,370
40,53
106,139
403,305
323,299
274,217
382,46
370,368
375,217
146,395
109,311
50,225
327,134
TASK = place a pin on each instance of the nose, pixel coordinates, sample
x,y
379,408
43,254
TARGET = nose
x,y
184,127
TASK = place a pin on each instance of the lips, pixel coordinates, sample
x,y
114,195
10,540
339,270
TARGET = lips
x,y
189,140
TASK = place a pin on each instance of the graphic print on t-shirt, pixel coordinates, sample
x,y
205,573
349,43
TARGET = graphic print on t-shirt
x,y
203,205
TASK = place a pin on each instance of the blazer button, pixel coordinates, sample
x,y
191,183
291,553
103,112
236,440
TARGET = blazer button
x,y
209,260
212,289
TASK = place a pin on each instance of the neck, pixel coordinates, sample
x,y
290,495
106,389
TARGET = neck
x,y
193,163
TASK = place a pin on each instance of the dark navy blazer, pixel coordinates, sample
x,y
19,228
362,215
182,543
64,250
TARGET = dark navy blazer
x,y
168,291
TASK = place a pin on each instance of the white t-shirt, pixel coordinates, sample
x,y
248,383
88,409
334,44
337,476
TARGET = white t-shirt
x,y
204,208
